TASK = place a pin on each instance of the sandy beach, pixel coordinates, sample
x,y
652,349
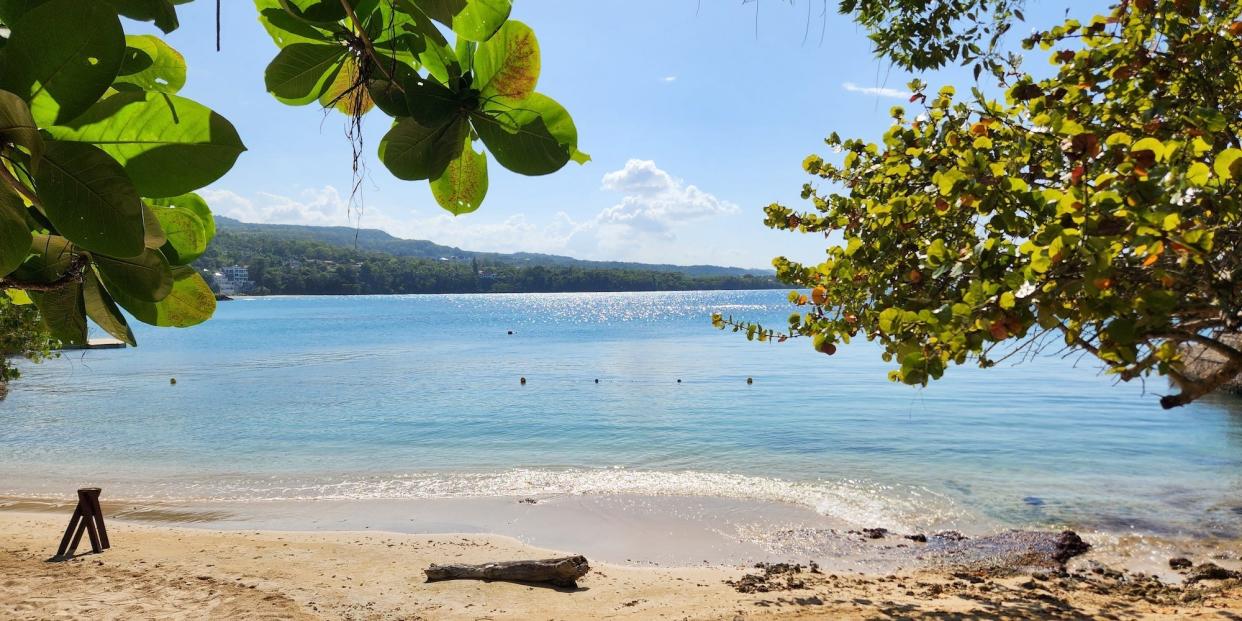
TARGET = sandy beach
x,y
178,572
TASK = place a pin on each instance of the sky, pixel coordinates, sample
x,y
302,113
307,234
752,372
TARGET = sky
x,y
697,114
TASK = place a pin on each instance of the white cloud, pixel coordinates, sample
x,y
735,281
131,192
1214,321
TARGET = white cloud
x,y
642,226
669,78
876,90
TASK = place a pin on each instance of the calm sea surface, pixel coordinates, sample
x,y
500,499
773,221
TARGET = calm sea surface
x,y
419,396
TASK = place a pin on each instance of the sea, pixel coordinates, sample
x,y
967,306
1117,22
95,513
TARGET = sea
x,y
387,398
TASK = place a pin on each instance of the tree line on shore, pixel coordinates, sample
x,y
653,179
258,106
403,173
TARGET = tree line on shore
x,y
280,266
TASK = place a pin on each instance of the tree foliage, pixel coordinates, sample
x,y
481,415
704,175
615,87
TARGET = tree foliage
x,y
360,55
1099,207
100,156
22,335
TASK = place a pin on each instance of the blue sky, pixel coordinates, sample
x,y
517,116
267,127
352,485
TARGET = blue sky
x,y
694,120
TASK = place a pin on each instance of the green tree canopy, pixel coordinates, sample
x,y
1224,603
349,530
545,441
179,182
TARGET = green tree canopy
x,y
1096,210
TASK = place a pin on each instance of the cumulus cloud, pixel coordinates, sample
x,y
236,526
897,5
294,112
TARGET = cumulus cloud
x,y
319,206
669,78
876,90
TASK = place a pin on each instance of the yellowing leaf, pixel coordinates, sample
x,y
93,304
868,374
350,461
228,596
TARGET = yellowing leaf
x,y
1198,174
1228,164
463,185
508,63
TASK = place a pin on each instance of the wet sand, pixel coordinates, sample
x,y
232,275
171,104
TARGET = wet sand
x,y
203,562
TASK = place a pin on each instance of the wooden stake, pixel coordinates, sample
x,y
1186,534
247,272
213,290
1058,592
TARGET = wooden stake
x,y
87,518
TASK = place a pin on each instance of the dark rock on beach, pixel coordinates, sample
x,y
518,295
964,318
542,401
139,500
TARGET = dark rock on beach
x,y
1211,571
919,538
875,533
1180,563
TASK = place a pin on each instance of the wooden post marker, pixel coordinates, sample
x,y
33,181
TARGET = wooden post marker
x,y
87,517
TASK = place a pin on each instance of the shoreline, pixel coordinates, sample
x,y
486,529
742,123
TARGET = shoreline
x,y
166,571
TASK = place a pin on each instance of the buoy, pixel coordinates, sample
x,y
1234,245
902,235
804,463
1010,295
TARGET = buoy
x,y
510,332
523,381
596,381
679,380
750,380
173,381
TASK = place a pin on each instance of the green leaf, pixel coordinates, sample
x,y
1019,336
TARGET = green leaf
x,y
316,11
146,277
186,233
1007,300
89,199
474,20
63,312
50,257
1198,174
18,127
161,12
286,29
103,311
155,237
1229,164
463,185
168,145
61,57
193,203
302,71
15,234
412,151
191,302
151,65
508,64
529,148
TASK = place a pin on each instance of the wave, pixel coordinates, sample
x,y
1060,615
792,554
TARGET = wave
x,y
898,508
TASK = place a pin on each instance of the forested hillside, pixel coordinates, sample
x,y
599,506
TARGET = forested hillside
x,y
295,265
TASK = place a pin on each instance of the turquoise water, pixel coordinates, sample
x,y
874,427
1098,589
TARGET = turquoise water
x,y
419,396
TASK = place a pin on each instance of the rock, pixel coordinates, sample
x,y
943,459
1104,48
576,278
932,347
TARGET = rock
x,y
920,538
950,535
527,501
1069,545
1180,563
1211,571
875,533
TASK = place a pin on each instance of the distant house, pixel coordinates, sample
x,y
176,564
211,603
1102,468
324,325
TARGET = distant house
x,y
233,280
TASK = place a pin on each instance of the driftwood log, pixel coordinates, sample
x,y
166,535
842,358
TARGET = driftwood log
x,y
563,571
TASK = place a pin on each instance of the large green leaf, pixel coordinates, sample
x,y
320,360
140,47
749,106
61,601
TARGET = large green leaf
x,y
190,303
475,20
161,12
507,65
168,145
286,29
463,186
103,311
533,136
63,312
317,11
146,277
413,151
18,127
50,257
151,65
155,237
62,56
195,204
186,234
89,199
15,235
301,72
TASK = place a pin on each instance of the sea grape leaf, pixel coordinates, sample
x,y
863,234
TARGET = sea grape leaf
x,y
413,151
61,57
162,13
167,144
63,312
507,64
194,204
155,237
18,127
15,235
514,114
191,302
103,311
474,20
151,65
146,277
302,71
286,29
89,199
186,234
463,185
50,257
